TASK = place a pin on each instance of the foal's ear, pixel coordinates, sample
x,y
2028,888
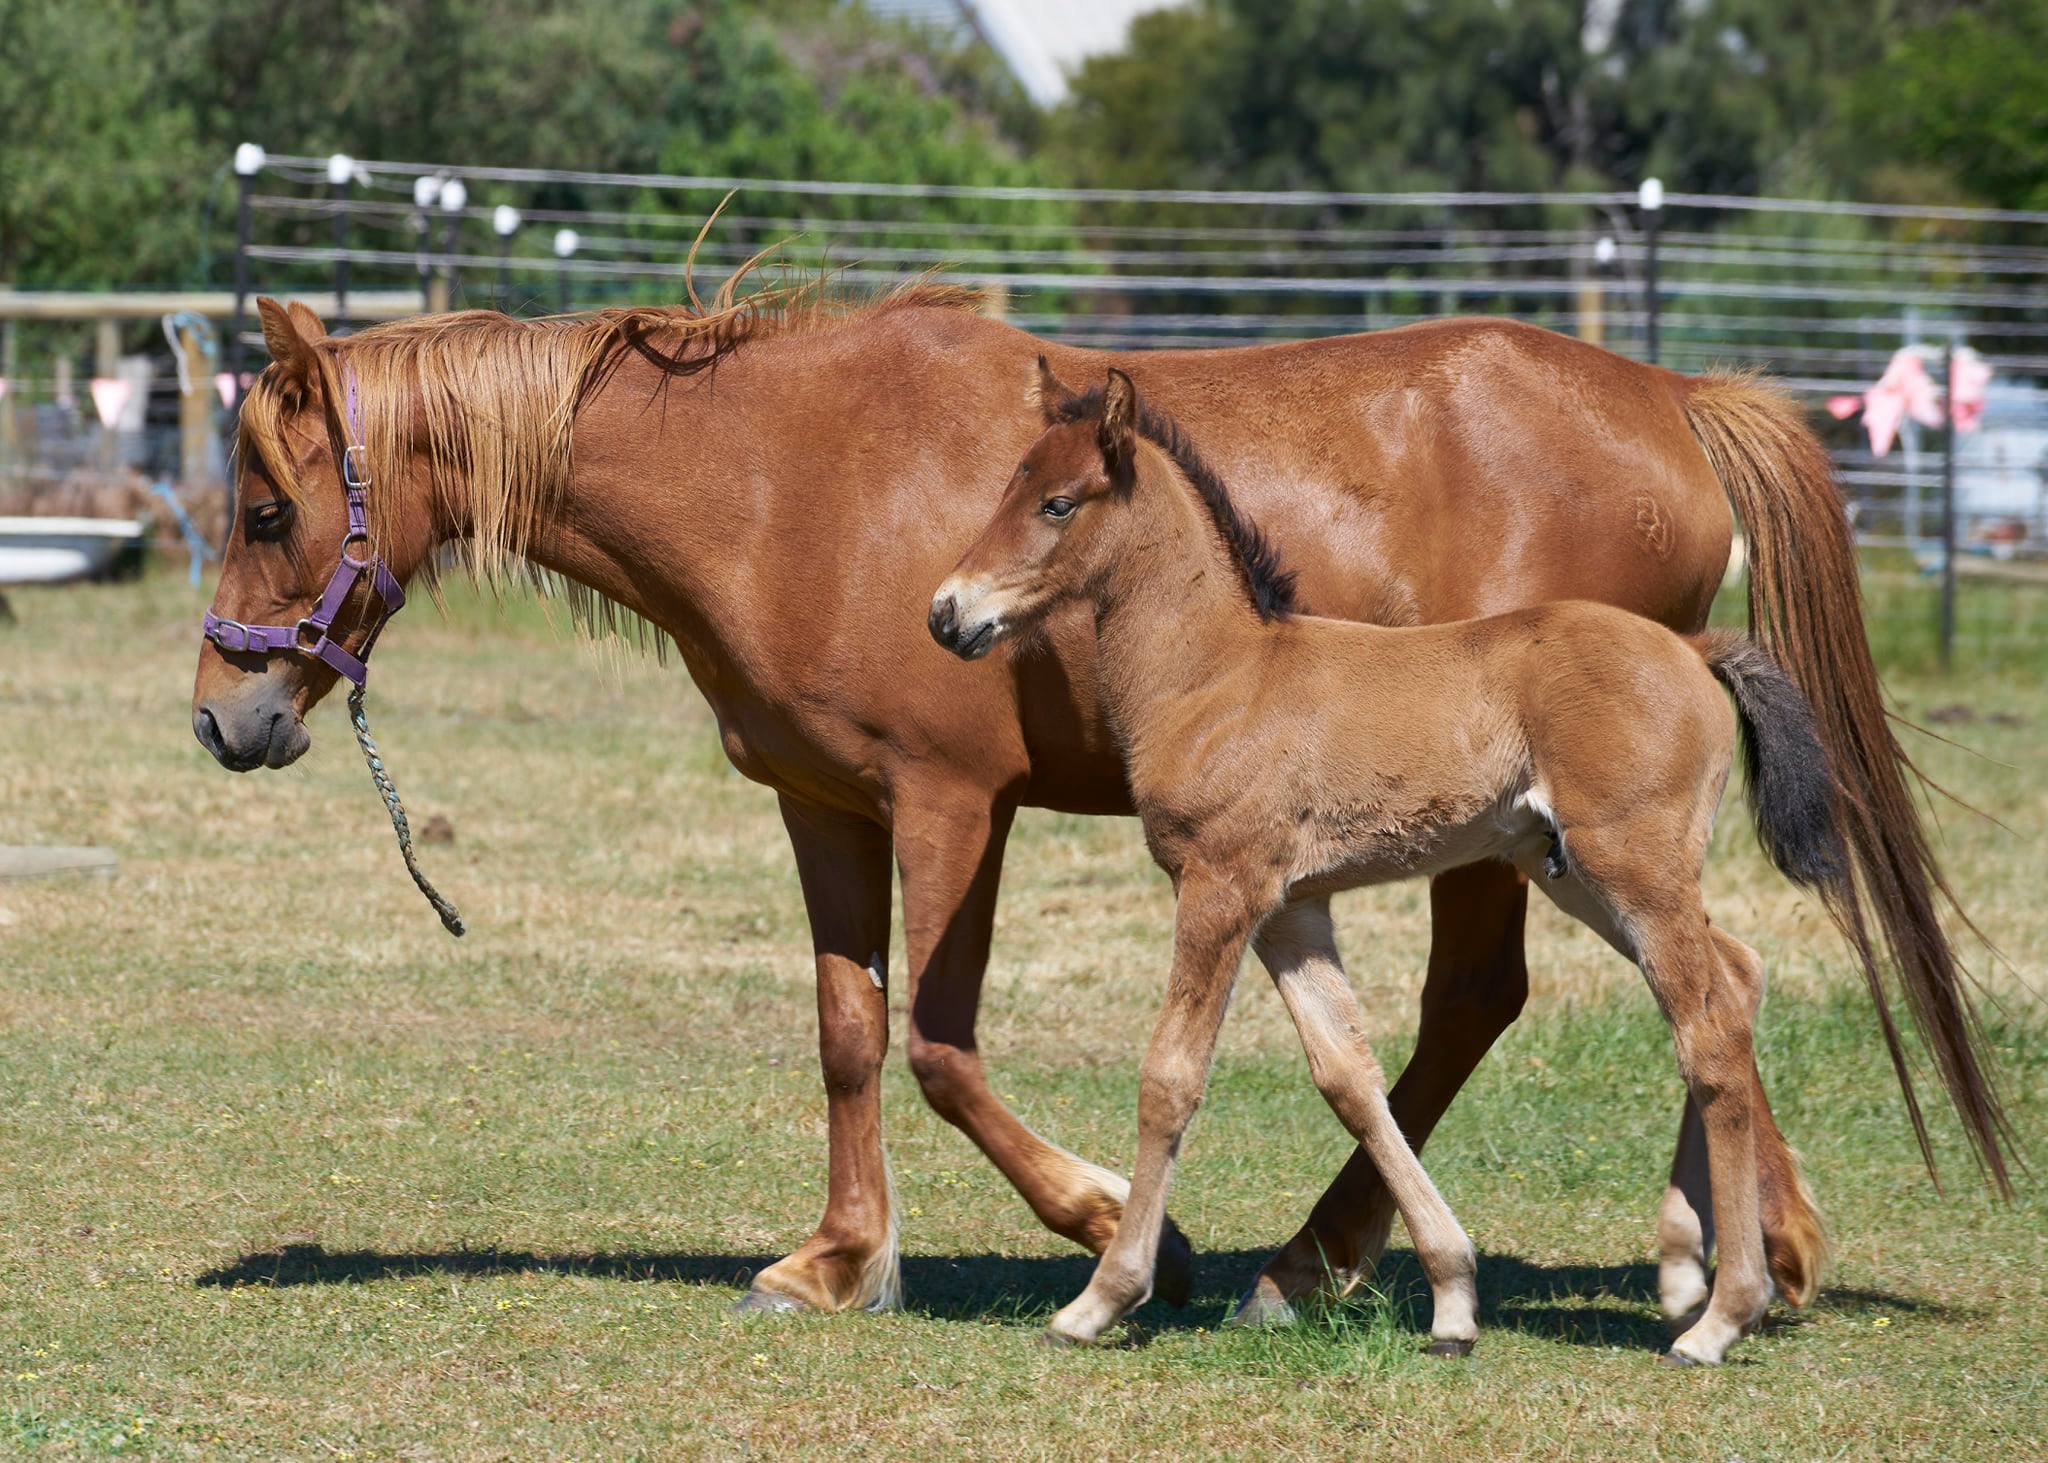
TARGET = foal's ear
x,y
1118,431
293,333
1048,393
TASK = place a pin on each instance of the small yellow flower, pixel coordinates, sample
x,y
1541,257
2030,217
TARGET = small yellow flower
x,y
760,1358
1882,1321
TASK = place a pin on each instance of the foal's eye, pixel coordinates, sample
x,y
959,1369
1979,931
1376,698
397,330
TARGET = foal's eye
x,y
269,520
1057,507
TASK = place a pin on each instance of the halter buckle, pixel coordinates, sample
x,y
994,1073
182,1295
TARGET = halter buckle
x,y
299,636
216,631
355,466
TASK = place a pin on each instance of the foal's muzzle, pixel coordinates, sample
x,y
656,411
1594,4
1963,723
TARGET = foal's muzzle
x,y
970,639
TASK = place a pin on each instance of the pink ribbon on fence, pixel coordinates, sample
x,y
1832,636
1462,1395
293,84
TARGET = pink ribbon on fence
x,y
1906,390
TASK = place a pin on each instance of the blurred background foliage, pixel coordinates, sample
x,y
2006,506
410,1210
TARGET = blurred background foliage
x,y
120,114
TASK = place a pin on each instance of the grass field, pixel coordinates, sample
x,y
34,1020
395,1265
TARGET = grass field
x,y
289,1173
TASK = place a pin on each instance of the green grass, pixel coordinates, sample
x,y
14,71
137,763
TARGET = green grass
x,y
288,1173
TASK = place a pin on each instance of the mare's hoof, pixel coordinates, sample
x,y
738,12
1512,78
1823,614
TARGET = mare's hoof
x,y
1449,1348
1260,1307
1679,1358
758,1302
1173,1270
1053,1340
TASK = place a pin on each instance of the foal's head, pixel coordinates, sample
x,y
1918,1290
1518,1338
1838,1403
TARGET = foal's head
x,y
1054,528
1060,525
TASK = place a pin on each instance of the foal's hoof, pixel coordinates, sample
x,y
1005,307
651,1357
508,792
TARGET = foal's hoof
x,y
1053,1340
758,1302
1173,1270
1680,1359
1262,1305
1452,1349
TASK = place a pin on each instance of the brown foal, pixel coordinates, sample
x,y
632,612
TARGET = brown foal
x,y
1277,759
775,485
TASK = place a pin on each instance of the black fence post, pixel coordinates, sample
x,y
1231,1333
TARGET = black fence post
x,y
1948,505
1650,200
341,170
566,241
249,160
505,223
454,195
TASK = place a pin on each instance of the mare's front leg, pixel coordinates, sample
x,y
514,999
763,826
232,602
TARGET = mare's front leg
x,y
1300,949
850,1261
1474,991
949,844
1211,922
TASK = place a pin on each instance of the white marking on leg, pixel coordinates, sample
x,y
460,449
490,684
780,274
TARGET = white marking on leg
x,y
881,1277
878,971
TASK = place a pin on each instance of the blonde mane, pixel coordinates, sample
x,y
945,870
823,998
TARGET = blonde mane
x,y
493,400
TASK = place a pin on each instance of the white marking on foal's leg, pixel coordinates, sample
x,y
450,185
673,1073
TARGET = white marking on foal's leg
x,y
878,971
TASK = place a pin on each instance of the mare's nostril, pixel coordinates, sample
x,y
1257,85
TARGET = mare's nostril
x,y
207,730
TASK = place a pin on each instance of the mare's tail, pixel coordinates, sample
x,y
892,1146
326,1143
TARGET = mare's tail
x,y
1805,607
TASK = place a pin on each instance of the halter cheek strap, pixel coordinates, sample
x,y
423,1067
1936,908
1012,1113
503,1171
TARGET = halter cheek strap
x,y
311,636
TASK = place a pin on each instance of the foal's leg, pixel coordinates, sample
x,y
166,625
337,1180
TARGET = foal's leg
x,y
949,844
1300,949
1210,925
1640,903
1474,990
843,864
1795,1244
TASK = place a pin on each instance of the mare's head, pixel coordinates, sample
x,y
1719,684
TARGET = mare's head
x,y
290,530
1062,524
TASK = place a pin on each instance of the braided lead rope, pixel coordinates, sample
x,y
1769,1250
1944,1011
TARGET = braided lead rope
x,y
359,719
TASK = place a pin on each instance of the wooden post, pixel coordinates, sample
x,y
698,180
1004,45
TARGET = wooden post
x,y
106,363
9,356
195,404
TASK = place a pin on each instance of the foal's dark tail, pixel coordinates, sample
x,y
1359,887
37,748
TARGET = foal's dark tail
x,y
1791,786
1805,606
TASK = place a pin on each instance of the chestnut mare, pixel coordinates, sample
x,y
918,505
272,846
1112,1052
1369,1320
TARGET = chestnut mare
x,y
1277,760
776,485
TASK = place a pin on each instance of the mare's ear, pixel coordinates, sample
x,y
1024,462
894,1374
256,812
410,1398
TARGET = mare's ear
x,y
1118,432
293,334
1048,393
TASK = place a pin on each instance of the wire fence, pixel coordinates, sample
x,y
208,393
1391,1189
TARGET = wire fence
x,y
1822,295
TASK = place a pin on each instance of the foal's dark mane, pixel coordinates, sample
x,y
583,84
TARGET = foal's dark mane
x,y
1268,584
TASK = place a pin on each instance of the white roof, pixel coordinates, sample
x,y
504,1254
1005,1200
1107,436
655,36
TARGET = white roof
x,y
1043,42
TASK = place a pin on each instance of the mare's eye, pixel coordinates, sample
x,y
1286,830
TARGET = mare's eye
x,y
1057,507
269,520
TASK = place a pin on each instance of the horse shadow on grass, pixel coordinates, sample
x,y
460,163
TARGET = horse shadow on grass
x,y
1585,1305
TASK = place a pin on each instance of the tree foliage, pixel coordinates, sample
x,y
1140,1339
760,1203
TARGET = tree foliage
x,y
1726,96
121,115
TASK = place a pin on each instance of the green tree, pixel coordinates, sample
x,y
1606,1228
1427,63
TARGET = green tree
x,y
1713,95
1962,100
121,115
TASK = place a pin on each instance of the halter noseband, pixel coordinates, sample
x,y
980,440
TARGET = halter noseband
x,y
310,636
234,636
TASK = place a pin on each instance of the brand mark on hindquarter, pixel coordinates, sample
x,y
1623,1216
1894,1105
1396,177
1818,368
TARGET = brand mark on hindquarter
x,y
1651,526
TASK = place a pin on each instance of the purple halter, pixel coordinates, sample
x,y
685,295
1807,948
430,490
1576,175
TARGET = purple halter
x,y
310,635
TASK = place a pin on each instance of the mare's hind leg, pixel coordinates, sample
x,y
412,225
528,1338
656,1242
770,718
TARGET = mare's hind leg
x,y
1650,909
1298,946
